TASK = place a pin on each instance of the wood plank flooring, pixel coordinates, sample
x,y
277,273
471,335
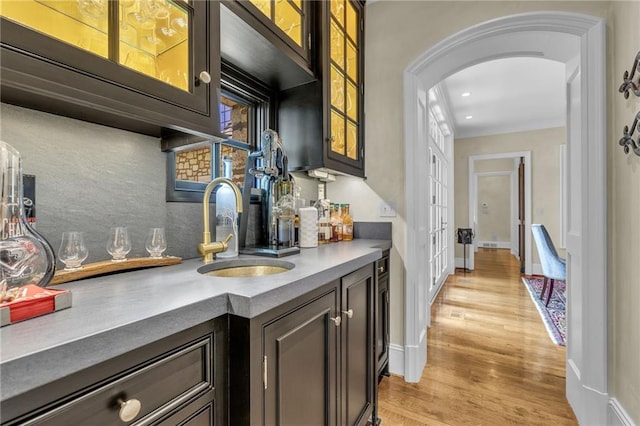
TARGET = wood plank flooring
x,y
490,359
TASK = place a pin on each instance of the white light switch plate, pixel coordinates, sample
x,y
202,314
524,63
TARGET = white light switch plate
x,y
387,209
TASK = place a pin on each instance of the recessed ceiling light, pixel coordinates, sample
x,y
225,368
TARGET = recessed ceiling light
x,y
468,117
465,94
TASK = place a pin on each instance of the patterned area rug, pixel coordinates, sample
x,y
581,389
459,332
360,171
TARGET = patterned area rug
x,y
553,315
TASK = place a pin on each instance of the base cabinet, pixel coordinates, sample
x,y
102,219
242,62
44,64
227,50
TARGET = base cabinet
x,y
311,360
168,382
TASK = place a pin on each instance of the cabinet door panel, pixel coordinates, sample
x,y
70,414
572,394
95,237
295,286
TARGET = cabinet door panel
x,y
382,323
357,346
300,361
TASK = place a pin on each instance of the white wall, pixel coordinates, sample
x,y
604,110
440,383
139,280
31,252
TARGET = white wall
x,y
494,208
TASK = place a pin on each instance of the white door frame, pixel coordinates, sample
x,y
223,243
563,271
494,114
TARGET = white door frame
x,y
587,382
473,189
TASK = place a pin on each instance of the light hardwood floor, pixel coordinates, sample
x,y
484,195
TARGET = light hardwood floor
x,y
490,359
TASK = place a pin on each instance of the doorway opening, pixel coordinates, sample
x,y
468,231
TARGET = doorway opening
x,y
538,35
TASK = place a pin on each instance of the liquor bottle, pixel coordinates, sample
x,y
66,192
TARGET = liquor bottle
x,y
226,214
336,223
347,223
324,226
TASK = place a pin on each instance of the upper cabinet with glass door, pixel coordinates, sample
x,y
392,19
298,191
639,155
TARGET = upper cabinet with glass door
x,y
345,82
142,65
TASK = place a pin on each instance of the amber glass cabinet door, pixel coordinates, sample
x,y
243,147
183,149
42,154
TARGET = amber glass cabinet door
x,y
344,74
165,49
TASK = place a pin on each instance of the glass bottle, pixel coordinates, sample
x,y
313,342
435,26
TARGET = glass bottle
x,y
336,223
347,223
324,227
25,256
226,214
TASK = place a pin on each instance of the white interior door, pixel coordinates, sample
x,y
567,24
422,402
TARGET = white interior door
x,y
438,167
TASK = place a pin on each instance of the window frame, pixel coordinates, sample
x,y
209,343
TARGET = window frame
x,y
237,85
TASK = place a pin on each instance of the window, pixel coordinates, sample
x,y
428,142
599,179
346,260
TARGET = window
x,y
245,111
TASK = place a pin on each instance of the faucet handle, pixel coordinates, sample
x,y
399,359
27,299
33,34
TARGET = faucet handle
x,y
226,240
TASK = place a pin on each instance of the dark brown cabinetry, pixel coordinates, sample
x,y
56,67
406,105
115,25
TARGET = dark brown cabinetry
x,y
322,122
115,66
382,315
311,360
178,380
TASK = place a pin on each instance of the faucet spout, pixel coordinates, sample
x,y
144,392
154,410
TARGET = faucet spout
x,y
207,248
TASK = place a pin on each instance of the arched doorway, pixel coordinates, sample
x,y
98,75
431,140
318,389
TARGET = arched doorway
x,y
536,35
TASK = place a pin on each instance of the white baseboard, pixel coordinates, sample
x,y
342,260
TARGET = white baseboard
x,y
590,405
617,415
396,359
494,244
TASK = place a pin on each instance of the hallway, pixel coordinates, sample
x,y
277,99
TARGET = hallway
x,y
490,359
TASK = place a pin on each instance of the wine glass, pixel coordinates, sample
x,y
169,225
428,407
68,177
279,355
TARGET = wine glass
x,y
119,244
156,242
72,251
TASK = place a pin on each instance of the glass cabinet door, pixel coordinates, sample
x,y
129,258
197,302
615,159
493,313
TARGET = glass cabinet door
x,y
287,15
344,75
151,37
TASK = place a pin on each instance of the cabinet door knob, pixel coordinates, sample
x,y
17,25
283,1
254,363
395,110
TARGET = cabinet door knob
x,y
348,313
380,269
204,77
129,409
337,320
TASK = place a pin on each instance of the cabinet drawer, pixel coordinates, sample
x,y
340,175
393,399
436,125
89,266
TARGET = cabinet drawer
x,y
160,387
382,265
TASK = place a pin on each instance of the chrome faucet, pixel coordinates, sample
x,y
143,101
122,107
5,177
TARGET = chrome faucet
x,y
207,248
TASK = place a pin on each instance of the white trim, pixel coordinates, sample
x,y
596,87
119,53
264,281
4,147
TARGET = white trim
x,y
487,41
618,415
415,358
494,244
396,359
563,198
473,204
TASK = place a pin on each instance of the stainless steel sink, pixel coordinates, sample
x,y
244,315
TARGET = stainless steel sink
x,y
245,268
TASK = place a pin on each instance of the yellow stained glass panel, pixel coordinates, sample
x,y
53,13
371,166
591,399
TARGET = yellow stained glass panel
x,y
352,140
337,44
264,6
80,23
352,101
289,20
352,22
337,89
337,10
352,61
337,133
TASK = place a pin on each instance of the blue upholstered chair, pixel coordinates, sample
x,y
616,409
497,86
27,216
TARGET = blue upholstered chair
x,y
553,266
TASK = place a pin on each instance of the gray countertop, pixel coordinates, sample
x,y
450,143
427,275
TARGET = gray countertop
x,y
115,314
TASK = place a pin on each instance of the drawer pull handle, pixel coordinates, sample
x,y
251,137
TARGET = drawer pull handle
x,y
336,320
348,313
129,409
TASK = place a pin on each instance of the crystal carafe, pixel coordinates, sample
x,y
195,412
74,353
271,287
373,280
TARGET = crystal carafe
x,y
226,214
25,256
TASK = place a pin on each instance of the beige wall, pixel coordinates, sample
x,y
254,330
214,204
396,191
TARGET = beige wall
x,y
545,174
494,208
624,216
397,33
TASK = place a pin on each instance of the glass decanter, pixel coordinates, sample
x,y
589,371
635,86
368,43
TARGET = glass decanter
x,y
25,256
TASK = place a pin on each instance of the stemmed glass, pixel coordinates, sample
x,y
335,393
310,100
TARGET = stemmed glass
x,y
156,242
72,251
119,244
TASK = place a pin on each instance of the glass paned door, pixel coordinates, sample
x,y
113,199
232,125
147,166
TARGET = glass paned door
x,y
344,51
439,209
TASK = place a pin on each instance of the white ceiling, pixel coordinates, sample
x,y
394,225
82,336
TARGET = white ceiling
x,y
507,95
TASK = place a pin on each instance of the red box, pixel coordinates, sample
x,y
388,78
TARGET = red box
x,y
35,302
